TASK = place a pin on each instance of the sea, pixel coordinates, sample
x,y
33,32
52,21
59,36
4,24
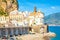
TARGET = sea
x,y
56,30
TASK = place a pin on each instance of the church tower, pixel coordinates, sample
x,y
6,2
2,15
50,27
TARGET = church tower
x,y
35,9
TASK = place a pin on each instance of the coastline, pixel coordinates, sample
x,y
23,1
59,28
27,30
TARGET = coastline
x,y
56,30
36,36
54,25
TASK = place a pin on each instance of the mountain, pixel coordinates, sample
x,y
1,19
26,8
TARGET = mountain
x,y
8,5
53,19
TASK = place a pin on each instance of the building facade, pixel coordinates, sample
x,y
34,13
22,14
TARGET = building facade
x,y
35,20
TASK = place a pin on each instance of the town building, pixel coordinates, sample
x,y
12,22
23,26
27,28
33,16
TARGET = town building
x,y
20,23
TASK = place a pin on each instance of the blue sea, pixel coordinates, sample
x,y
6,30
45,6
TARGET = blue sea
x,y
55,29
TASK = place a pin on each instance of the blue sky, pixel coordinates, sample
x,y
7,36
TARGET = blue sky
x,y
46,6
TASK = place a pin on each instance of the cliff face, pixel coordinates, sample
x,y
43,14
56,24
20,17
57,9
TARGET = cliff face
x,y
8,5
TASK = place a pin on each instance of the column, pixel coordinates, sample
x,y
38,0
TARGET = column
x,y
16,31
3,32
23,30
26,30
6,32
0,33
11,32
20,30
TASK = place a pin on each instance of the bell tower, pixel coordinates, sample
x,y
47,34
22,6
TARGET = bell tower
x,y
35,9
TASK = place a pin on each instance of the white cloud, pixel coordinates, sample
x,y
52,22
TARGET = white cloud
x,y
53,7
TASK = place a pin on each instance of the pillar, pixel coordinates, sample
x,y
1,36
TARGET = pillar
x,y
6,32
46,28
0,33
11,31
20,30
16,31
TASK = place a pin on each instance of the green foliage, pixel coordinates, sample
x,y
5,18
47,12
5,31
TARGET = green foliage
x,y
12,1
4,1
34,23
16,2
2,13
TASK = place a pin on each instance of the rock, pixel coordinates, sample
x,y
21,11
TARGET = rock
x,y
8,5
50,34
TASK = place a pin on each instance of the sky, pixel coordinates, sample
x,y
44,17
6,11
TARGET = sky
x,y
46,6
